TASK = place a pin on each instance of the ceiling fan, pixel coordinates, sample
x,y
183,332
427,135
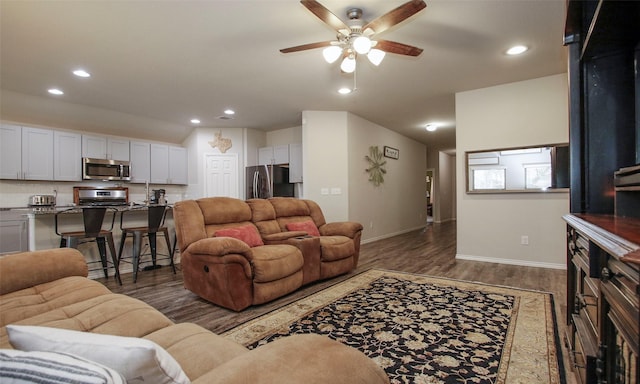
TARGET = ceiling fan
x,y
355,36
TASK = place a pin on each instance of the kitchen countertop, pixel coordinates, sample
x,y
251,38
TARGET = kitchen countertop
x,y
47,210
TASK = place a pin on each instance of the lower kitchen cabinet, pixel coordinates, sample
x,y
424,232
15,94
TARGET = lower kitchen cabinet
x,y
603,297
14,234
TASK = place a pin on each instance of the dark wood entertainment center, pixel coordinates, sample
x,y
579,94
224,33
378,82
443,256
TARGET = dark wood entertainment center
x,y
603,229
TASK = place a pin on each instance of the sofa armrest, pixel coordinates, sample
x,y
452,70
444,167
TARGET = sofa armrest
x,y
280,237
309,359
23,270
219,246
344,228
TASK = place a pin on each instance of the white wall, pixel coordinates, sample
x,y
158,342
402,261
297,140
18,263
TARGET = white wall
x,y
325,162
334,147
284,136
490,226
446,188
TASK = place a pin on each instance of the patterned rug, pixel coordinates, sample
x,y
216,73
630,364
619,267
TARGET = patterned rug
x,y
423,330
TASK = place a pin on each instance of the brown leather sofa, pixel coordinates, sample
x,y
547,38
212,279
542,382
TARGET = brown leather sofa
x,y
50,288
232,273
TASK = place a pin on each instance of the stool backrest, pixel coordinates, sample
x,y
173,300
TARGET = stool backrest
x,y
156,216
93,218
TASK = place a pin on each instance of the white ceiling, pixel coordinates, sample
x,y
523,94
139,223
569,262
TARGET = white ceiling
x,y
168,61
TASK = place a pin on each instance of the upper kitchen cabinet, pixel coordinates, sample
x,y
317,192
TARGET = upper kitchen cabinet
x,y
27,153
67,150
278,154
37,154
140,162
168,164
10,151
101,147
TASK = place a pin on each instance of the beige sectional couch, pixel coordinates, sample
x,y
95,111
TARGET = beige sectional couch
x,y
49,288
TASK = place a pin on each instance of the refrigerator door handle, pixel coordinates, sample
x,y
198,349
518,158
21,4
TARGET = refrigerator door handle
x,y
255,185
269,169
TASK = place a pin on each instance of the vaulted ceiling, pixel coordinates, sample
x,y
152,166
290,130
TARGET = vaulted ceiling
x,y
164,62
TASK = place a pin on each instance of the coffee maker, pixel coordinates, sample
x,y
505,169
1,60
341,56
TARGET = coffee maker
x,y
158,197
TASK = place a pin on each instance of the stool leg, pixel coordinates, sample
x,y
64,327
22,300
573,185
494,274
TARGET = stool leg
x,y
153,244
115,261
103,254
137,248
123,239
165,231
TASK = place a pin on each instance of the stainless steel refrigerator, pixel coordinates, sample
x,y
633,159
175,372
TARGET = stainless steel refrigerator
x,y
265,181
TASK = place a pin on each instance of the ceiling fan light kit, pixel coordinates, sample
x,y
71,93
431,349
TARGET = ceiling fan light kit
x,y
356,36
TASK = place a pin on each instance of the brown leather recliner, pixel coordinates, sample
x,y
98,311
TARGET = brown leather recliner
x,y
225,270
333,251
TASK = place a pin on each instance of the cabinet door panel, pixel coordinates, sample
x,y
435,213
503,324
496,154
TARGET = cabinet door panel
x,y
178,165
140,162
159,164
67,153
10,151
37,153
94,147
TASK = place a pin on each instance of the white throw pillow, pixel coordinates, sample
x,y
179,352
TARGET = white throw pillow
x,y
20,367
138,360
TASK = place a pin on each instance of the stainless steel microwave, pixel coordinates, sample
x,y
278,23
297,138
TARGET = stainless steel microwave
x,y
101,169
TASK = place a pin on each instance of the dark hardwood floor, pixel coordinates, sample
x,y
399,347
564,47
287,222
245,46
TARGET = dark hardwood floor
x,y
430,252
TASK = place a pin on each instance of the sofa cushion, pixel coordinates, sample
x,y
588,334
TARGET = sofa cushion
x,y
273,262
25,303
336,247
247,233
196,349
112,314
136,359
53,367
221,210
307,226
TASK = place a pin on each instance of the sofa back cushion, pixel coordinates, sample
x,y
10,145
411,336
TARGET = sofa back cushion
x,y
263,215
290,210
199,219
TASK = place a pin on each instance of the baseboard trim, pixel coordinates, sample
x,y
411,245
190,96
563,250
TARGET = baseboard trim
x,y
386,236
524,263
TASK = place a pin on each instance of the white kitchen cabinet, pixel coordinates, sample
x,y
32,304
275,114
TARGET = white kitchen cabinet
x,y
10,151
102,147
140,162
178,165
67,153
159,164
37,153
295,163
14,234
278,154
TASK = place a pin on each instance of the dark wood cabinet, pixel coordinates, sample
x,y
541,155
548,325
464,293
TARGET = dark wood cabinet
x,y
603,231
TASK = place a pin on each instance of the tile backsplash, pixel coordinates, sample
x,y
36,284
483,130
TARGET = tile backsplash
x,y
15,193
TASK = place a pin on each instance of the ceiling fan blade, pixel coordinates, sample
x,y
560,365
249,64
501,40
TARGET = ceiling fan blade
x,y
324,14
304,47
399,48
395,16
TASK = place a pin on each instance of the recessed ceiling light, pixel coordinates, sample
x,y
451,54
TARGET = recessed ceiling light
x,y
344,91
229,112
517,50
56,91
81,73
195,121
431,127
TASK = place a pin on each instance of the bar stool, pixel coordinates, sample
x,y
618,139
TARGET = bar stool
x,y
93,219
155,224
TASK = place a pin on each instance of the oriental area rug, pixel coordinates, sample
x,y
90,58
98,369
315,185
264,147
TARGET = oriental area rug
x,y
427,330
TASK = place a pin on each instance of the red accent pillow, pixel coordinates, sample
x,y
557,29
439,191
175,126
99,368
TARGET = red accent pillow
x,y
247,233
307,226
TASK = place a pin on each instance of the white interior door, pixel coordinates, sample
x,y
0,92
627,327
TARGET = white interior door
x,y
221,175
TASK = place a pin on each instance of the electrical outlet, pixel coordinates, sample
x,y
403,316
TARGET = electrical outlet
x,y
524,240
